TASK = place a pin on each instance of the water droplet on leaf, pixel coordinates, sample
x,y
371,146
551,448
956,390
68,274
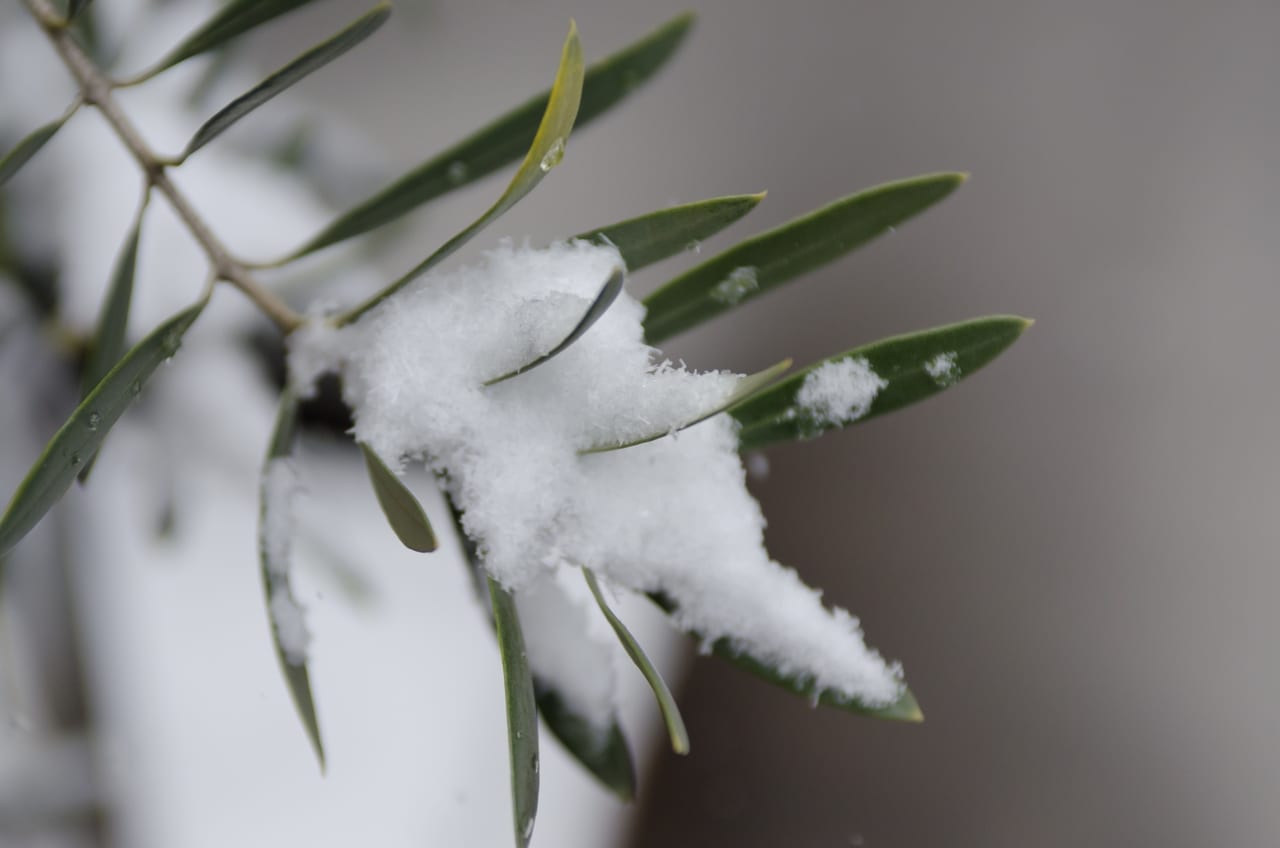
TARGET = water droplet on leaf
x,y
553,157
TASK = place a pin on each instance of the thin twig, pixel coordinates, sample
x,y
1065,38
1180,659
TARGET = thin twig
x,y
95,89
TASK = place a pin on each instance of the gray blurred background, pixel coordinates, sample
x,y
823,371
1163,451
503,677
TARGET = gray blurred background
x,y
1073,554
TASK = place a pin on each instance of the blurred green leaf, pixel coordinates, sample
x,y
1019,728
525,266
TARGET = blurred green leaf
x,y
405,515
905,709
666,701
82,434
506,139
608,294
313,60
764,262
544,154
747,387
234,18
75,7
28,147
110,339
651,238
605,755
275,576
522,713
914,366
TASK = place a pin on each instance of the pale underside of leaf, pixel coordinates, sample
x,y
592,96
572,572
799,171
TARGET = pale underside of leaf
x,y
651,238
505,140
748,387
405,515
544,154
662,694
309,62
79,438
768,260
599,306
903,362
522,713
275,579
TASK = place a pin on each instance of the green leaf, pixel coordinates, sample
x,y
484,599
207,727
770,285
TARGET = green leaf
x,y
607,756
28,147
75,7
405,515
608,294
522,713
275,576
313,60
234,18
651,238
109,341
82,434
544,154
505,140
913,366
764,262
905,708
746,388
666,701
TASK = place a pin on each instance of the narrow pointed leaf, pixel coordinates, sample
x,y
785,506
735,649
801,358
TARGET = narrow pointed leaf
x,y
770,259
506,139
905,708
913,367
312,60
234,18
608,294
522,713
666,702
75,7
109,340
82,434
747,387
28,147
544,154
405,515
651,238
275,577
607,756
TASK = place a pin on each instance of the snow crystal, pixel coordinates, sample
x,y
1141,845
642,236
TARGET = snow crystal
x,y
733,288
563,652
943,369
672,516
840,392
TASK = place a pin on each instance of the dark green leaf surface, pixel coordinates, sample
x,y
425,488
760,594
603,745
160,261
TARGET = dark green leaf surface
x,y
405,515
906,708
666,701
29,147
110,339
234,18
608,294
607,756
915,366
747,387
544,154
658,235
522,713
764,262
314,59
506,139
296,677
82,434
75,7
